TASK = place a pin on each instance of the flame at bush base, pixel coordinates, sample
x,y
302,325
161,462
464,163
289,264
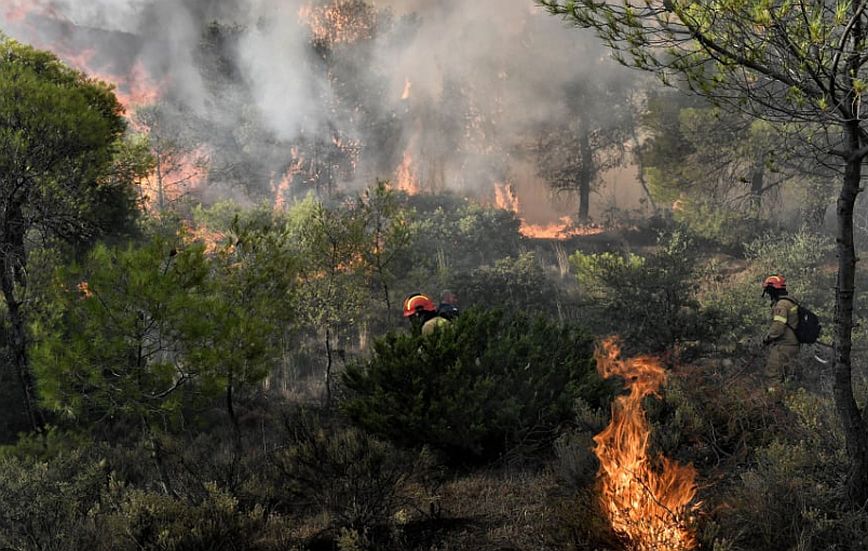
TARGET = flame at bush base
x,y
647,502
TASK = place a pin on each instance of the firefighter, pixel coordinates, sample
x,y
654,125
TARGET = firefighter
x,y
781,337
448,307
423,315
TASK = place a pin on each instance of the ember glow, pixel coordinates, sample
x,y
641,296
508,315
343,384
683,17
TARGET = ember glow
x,y
648,500
174,178
339,22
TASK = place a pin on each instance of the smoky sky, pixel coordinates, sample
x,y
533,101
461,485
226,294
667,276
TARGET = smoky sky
x,y
512,60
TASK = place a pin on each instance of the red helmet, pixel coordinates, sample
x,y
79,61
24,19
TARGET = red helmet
x,y
775,282
418,303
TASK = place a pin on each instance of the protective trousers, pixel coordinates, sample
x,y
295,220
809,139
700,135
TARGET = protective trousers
x,y
780,364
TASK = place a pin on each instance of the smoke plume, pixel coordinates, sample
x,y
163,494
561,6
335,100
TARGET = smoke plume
x,y
455,88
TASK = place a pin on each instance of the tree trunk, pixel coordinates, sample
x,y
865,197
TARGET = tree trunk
x,y
757,183
158,172
640,168
230,410
585,174
12,262
328,373
850,416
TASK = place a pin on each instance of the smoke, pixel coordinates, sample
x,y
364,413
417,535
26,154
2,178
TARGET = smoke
x,y
481,77
273,56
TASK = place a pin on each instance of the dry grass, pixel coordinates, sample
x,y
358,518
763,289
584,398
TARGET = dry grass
x,y
494,510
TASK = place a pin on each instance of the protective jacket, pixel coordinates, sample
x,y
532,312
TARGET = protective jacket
x,y
783,344
434,324
785,319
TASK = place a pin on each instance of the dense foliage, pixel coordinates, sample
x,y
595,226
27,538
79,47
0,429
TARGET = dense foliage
x,y
488,384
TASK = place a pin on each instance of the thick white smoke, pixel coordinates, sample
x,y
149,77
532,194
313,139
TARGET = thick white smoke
x,y
514,61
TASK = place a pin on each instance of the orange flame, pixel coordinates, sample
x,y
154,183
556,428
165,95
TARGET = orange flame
x,y
408,86
133,89
648,506
281,188
506,198
405,176
174,178
280,191
84,289
212,239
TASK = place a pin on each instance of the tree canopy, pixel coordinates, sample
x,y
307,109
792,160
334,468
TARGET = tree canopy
x,y
60,135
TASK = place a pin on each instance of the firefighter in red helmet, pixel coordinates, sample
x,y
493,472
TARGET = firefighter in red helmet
x,y
781,337
422,313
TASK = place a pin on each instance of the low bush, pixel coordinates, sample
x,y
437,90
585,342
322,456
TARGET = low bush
x,y
490,383
788,497
151,520
649,300
518,283
350,476
47,504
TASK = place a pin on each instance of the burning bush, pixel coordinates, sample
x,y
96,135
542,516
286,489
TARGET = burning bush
x,y
491,383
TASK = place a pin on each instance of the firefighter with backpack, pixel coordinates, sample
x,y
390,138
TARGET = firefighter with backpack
x,y
423,314
791,326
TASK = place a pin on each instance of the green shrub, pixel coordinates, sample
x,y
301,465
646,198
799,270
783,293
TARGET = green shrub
x,y
47,504
489,383
512,283
650,301
150,520
717,223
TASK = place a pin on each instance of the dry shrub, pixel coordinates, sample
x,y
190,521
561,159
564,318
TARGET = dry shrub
x,y
580,524
790,496
342,472
149,520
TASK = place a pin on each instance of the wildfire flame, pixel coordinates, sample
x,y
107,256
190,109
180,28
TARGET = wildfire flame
x,y
133,89
405,176
281,188
648,501
212,239
174,178
506,198
408,87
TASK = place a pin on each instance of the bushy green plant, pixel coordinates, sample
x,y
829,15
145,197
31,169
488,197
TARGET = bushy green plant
x,y
511,283
650,301
490,382
455,237
712,222
47,504
132,329
149,520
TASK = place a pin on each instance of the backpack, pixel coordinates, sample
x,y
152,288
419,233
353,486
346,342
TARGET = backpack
x,y
808,329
